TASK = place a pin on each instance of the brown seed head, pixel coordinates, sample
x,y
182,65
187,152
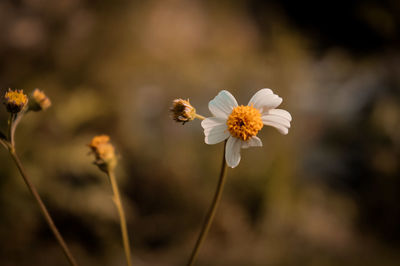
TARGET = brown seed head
x,y
182,111
39,101
104,152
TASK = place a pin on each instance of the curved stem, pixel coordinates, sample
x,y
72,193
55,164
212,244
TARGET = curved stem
x,y
42,207
211,211
118,204
15,121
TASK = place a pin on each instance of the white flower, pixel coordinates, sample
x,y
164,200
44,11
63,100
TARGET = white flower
x,y
240,124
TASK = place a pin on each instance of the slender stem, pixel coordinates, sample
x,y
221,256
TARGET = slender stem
x,y
43,208
211,211
10,128
199,117
4,143
118,204
14,123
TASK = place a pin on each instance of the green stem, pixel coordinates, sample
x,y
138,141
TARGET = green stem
x,y
211,211
118,204
42,207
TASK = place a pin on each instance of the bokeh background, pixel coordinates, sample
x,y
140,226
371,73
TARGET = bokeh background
x,y
328,193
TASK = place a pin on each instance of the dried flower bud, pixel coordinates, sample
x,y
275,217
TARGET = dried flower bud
x,y
39,101
15,101
104,152
183,111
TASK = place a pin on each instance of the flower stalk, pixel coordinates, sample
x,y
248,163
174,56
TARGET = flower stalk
x,y
211,212
200,117
122,219
106,160
16,103
236,125
42,207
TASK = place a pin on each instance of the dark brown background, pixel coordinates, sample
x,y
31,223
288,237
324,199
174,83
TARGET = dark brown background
x,y
325,194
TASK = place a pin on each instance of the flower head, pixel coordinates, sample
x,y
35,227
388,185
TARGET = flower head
x,y
39,101
104,152
241,124
183,111
15,100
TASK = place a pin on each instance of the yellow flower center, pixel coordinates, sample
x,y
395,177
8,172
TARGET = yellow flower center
x,y
16,97
15,101
244,122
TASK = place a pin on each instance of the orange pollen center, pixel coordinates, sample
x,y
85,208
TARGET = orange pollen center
x,y
244,122
16,97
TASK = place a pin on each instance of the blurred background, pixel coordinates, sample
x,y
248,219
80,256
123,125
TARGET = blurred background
x,y
326,194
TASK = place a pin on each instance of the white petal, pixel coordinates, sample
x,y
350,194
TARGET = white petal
x,y
222,104
279,112
281,128
212,122
216,135
265,99
276,119
215,130
232,151
252,142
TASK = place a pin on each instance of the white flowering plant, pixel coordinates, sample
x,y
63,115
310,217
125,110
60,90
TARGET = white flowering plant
x,y
237,126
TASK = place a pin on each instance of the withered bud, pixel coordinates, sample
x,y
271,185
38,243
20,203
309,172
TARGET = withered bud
x,y
182,111
39,101
104,153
